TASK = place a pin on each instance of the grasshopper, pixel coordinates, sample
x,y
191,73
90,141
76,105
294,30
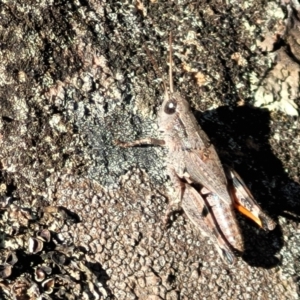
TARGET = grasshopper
x,y
207,191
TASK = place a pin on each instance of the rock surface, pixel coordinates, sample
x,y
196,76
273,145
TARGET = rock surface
x,y
82,218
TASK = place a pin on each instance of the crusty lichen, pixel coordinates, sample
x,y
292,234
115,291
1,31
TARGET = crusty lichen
x,y
75,76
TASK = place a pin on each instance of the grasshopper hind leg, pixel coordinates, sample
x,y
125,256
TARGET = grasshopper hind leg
x,y
195,208
267,222
245,202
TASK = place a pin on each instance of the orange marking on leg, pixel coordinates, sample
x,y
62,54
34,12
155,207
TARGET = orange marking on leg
x,y
247,213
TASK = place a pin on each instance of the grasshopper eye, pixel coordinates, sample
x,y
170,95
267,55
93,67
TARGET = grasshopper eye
x,y
170,107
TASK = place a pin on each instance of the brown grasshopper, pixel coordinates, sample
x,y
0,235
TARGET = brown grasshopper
x,y
206,192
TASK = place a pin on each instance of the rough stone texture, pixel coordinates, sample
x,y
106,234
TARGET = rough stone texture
x,y
74,76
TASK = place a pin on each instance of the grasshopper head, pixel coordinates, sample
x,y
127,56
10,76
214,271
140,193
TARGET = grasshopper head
x,y
173,106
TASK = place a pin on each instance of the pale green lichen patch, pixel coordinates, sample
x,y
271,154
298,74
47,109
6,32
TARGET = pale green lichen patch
x,y
279,87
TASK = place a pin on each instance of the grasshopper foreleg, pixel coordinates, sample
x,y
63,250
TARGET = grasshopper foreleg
x,y
178,190
144,141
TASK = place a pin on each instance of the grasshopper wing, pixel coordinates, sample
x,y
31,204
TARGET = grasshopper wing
x,y
197,211
208,171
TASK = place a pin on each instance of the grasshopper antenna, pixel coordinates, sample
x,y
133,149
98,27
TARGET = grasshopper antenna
x,y
170,64
156,69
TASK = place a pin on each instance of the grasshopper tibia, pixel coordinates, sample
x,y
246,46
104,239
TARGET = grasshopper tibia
x,y
245,203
